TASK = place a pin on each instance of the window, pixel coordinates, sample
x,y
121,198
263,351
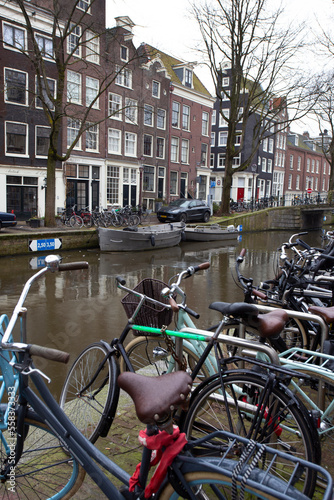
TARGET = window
x,y
173,183
73,42
204,154
265,144
42,136
92,47
313,165
264,164
205,123
84,5
269,165
225,81
131,111
224,117
130,144
14,37
123,77
175,114
16,86
92,92
291,162
271,146
324,167
225,94
16,138
46,95
188,78
237,139
290,181
73,87
299,161
297,182
124,53
308,162
222,138
84,171
148,178
148,143
73,127
236,161
92,138
186,118
317,167
160,147
214,117
155,89
212,160
148,115
45,45
213,139
174,149
161,119
240,114
115,106
221,160
112,184
185,151
114,141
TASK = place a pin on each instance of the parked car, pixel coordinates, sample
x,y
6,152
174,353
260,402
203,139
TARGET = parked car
x,y
7,220
184,210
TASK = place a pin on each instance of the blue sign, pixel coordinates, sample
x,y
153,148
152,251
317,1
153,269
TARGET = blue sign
x,y
45,245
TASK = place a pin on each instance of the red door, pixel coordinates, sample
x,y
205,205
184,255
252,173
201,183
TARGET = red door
x,y
240,194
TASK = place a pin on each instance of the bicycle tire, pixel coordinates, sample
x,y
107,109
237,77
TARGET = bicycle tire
x,y
285,422
44,468
93,412
150,356
134,220
76,221
207,485
117,220
87,221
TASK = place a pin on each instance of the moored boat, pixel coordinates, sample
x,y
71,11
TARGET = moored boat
x,y
214,232
140,238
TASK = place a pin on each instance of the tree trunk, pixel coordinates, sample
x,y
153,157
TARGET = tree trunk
x,y
50,199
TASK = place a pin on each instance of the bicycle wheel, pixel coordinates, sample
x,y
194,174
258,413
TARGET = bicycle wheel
x,y
76,221
117,220
207,485
90,394
134,220
44,468
150,356
244,406
87,220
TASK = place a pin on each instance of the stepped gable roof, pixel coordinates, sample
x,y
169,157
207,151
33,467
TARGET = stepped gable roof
x,y
171,63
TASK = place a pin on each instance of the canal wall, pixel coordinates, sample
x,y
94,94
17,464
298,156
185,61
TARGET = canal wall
x,y
25,242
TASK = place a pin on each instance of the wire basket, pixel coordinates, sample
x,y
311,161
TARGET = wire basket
x,y
153,315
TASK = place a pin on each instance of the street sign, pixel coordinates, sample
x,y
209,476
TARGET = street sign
x,y
309,191
44,245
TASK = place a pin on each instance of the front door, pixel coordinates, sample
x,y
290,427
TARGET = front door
x,y
77,194
240,194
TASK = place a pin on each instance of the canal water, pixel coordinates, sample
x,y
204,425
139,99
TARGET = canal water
x,y
69,310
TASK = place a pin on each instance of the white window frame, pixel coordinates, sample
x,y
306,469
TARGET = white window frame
x,y
36,136
173,180
205,123
222,138
214,117
223,119
225,81
74,40
93,86
185,151
25,88
74,84
271,145
73,124
46,98
123,77
115,106
84,5
131,111
15,44
124,48
174,150
96,131
92,47
269,165
186,117
24,125
176,114
41,41
156,89
150,137
114,139
161,157
148,115
161,116
130,139
221,160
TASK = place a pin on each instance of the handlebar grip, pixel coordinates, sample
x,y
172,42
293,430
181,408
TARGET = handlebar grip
x,y
48,353
73,266
191,312
260,295
303,244
243,252
120,280
173,304
200,267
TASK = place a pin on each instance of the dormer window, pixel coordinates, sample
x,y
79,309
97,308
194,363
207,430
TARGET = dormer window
x,y
188,78
84,5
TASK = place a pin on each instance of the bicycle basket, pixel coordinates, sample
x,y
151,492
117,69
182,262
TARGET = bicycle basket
x,y
154,315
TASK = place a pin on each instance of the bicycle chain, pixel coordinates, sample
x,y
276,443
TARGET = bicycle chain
x,y
182,364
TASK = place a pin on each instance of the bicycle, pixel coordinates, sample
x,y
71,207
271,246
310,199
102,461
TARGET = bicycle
x,y
70,218
35,467
90,397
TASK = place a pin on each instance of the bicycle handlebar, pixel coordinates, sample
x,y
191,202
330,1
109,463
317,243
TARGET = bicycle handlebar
x,y
49,353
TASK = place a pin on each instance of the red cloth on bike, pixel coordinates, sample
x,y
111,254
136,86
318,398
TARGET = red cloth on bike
x,y
173,444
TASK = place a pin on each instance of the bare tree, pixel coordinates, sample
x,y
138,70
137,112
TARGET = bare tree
x,y
257,49
75,40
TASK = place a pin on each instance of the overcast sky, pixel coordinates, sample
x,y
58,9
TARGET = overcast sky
x,y
170,27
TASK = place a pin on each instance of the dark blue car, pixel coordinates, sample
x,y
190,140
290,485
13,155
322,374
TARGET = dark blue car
x,y
7,220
